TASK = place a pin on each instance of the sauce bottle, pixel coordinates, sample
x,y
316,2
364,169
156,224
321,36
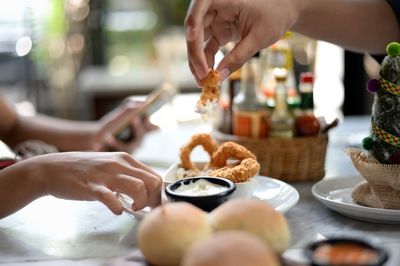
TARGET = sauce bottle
x,y
250,118
306,123
282,120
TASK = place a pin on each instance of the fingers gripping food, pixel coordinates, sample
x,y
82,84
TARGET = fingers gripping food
x,y
230,150
205,140
210,91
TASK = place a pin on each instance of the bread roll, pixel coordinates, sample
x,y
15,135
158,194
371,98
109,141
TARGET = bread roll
x,y
253,216
168,231
233,248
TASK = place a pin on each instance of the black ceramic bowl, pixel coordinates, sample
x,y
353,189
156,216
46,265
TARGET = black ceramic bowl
x,y
380,257
207,202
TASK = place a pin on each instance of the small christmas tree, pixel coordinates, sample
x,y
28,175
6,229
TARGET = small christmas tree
x,y
384,142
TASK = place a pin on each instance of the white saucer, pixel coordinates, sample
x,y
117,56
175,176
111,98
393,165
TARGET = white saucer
x,y
278,194
335,194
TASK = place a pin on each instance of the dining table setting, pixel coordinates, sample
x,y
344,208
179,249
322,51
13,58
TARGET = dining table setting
x,y
51,231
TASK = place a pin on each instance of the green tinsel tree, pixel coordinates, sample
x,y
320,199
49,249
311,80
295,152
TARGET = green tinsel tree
x,y
385,123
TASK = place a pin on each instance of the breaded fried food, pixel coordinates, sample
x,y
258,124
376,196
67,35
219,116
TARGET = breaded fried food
x,y
229,150
242,172
204,140
210,91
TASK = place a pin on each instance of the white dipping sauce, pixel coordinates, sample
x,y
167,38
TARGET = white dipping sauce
x,y
201,187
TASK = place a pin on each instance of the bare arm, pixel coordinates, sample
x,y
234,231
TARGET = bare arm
x,y
69,135
359,25
65,135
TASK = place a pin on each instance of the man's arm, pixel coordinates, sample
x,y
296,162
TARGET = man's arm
x,y
358,25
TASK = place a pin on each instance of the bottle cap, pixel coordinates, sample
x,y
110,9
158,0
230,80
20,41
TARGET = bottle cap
x,y
280,74
306,77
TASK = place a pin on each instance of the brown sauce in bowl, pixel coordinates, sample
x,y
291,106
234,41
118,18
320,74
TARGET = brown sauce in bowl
x,y
344,254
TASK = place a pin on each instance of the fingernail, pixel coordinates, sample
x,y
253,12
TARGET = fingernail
x,y
224,74
201,72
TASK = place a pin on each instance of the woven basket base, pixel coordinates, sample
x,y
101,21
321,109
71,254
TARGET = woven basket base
x,y
291,160
381,188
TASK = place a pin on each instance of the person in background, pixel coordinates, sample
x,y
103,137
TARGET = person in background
x,y
366,26
72,174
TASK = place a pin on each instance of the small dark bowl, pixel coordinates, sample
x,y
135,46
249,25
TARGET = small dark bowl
x,y
382,255
206,203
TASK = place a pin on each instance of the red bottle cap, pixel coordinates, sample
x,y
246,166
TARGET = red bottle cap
x,y
306,77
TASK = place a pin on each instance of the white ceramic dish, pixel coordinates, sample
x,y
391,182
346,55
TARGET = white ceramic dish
x,y
280,195
243,189
335,194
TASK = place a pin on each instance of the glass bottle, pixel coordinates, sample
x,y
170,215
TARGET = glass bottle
x,y
226,105
282,120
250,117
278,55
306,123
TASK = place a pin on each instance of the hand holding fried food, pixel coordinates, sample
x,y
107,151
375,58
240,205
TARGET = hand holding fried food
x,y
244,167
210,91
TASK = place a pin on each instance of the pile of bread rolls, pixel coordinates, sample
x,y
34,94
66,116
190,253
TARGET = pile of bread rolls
x,y
239,232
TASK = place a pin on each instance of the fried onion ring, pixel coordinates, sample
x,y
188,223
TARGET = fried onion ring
x,y
238,173
230,150
204,140
210,91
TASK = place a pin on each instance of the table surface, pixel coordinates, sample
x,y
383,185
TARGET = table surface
x,y
51,231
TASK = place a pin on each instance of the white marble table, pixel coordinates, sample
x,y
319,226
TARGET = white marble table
x,y
55,232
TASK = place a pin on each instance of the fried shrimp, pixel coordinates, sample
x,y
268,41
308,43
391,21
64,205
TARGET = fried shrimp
x,y
241,172
230,150
210,92
204,140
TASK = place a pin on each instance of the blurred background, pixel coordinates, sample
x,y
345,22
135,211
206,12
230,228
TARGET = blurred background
x,y
78,59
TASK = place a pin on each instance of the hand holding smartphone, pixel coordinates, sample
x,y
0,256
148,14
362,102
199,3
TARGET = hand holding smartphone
x,y
154,101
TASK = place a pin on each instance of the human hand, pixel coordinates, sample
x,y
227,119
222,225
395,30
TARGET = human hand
x,y
103,139
96,176
252,24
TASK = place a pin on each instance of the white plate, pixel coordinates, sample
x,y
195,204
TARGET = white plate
x,y
335,194
278,194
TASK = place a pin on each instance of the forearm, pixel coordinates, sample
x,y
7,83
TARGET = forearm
x,y
20,184
358,25
65,135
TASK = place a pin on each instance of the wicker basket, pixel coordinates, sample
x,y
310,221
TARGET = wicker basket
x,y
297,159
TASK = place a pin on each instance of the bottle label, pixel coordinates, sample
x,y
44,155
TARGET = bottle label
x,y
250,124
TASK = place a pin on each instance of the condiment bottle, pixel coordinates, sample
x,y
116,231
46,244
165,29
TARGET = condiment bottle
x,y
250,118
306,123
226,104
278,55
282,120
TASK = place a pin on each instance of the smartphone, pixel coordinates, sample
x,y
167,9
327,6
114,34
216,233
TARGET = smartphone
x,y
154,101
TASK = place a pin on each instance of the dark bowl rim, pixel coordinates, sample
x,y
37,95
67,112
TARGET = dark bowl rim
x,y
230,188
382,253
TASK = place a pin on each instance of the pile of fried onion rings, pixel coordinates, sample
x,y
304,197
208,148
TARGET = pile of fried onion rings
x,y
244,167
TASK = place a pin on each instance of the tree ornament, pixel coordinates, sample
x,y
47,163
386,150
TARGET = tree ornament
x,y
367,143
393,49
373,85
